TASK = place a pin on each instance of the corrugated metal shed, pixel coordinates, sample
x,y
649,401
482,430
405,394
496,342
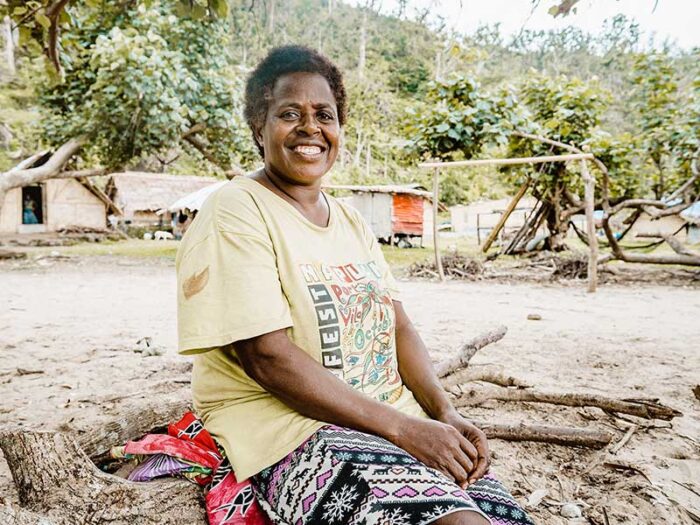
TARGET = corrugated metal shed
x,y
407,216
390,209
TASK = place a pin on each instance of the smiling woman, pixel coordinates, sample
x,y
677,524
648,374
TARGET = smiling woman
x,y
307,369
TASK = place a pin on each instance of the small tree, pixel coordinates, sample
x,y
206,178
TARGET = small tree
x,y
568,111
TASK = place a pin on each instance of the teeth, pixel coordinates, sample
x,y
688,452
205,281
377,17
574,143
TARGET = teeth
x,y
308,150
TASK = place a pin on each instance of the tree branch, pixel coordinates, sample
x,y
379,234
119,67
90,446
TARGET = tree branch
x,y
23,176
645,409
468,350
53,12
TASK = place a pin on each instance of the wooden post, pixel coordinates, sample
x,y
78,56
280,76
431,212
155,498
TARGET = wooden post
x,y
478,229
589,198
502,221
436,205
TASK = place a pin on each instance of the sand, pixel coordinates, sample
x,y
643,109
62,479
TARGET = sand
x,y
71,327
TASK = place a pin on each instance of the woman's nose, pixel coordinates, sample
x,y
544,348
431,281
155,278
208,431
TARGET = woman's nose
x,y
308,125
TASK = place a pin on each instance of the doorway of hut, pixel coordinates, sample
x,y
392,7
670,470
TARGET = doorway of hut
x,y
33,209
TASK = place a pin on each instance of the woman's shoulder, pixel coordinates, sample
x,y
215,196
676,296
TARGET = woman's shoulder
x,y
233,204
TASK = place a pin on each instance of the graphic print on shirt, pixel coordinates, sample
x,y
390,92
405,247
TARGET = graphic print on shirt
x,y
356,326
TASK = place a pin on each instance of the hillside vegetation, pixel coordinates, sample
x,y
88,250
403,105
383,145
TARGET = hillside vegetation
x,y
137,77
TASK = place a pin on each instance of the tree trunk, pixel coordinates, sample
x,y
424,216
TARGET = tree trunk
x,y
557,227
363,48
9,47
55,478
271,16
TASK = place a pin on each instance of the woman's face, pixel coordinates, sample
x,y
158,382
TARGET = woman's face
x,y
301,133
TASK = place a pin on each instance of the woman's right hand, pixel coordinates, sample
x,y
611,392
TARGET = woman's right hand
x,y
439,446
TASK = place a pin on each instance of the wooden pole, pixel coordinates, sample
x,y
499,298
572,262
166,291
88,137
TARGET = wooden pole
x,y
521,160
436,205
589,198
502,221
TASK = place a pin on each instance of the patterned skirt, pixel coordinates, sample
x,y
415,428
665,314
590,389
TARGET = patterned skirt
x,y
342,476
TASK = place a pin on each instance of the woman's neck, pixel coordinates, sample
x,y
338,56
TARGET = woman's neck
x,y
307,199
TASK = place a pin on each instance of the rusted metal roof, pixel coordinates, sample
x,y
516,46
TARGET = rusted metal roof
x,y
395,189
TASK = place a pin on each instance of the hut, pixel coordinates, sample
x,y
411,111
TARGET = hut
x,y
692,216
53,205
394,212
478,218
141,195
185,208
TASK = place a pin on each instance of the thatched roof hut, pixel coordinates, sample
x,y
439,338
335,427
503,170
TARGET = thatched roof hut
x,y
140,195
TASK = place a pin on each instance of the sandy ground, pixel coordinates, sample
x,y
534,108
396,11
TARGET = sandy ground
x,y
75,325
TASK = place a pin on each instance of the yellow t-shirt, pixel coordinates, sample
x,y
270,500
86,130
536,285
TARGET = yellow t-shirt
x,y
250,264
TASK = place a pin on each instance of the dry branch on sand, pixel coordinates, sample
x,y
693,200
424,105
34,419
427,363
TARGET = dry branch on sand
x,y
59,484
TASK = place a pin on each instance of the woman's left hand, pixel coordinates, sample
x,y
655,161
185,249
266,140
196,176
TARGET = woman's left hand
x,y
476,437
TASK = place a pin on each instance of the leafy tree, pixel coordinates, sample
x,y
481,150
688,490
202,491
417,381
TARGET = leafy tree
x,y
655,99
458,119
139,80
568,111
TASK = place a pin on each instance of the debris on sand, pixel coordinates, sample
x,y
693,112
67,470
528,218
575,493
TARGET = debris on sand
x,y
454,264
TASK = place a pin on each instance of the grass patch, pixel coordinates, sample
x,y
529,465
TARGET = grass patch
x,y
127,248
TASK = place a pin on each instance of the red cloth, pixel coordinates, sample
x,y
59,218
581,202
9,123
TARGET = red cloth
x,y
228,501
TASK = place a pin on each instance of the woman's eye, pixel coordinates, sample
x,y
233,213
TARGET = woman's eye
x,y
325,116
290,115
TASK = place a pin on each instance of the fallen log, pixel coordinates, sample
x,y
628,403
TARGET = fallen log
x,y
132,422
641,408
567,436
57,480
10,515
468,350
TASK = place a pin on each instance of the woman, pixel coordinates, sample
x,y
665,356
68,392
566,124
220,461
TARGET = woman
x,y
307,369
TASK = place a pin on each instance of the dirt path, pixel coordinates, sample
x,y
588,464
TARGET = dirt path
x,y
71,329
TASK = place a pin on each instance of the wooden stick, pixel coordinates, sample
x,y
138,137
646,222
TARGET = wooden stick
x,y
485,374
510,161
640,408
468,350
590,228
506,214
568,436
628,435
436,243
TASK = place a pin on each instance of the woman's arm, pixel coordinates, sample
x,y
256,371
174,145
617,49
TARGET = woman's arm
x,y
418,375
294,377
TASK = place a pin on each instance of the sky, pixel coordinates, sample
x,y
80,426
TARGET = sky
x,y
678,20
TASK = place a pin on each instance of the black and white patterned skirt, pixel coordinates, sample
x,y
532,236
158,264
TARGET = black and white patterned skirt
x,y
342,476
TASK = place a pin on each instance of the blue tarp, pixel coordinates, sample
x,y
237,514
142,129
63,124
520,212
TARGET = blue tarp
x,y
692,214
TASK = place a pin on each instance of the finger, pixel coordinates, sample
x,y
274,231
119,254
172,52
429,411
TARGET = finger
x,y
482,467
464,461
458,473
481,443
469,448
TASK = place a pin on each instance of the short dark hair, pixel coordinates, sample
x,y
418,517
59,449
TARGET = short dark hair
x,y
281,61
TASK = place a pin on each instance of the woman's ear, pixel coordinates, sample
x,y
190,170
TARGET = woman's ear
x,y
257,135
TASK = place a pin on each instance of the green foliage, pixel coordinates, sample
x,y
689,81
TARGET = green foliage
x,y
459,118
669,128
136,80
138,73
562,109
619,155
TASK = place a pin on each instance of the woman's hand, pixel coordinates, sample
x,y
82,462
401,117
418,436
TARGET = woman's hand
x,y
440,446
476,437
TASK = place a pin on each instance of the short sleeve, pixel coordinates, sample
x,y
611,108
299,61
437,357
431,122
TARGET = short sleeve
x,y
378,256
228,284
